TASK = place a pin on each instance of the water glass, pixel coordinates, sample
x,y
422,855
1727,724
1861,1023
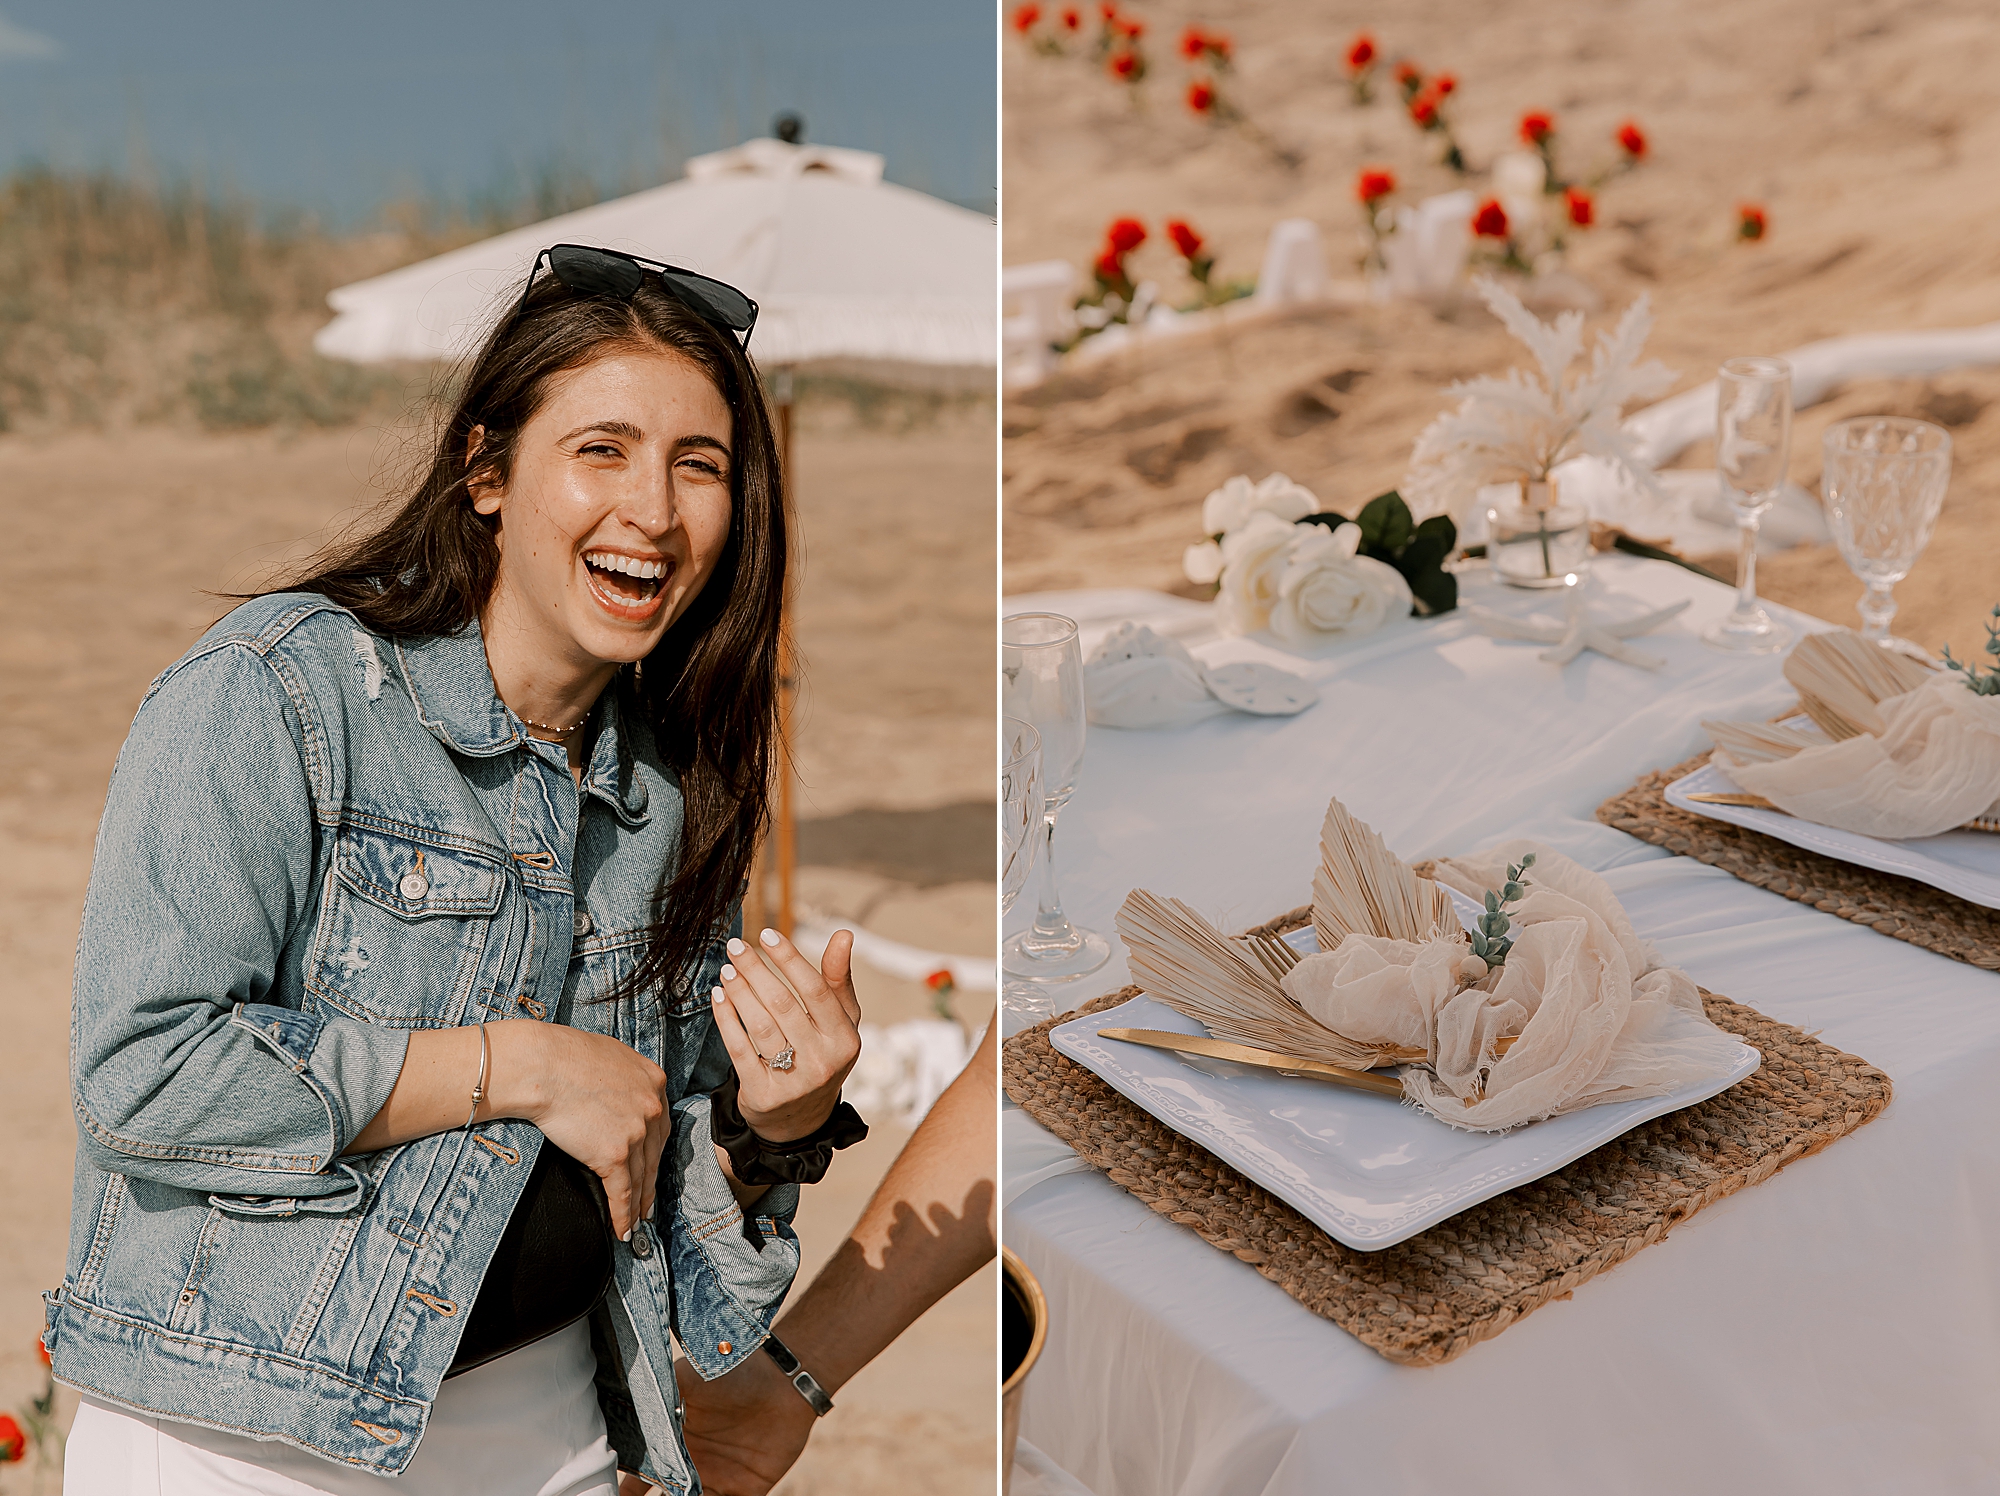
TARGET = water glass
x,y
1021,804
1753,438
1042,684
1884,482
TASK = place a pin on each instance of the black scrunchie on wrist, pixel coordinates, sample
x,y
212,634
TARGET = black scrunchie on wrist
x,y
756,1160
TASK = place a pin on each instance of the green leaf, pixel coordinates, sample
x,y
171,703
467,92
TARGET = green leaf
x,y
1510,893
1499,955
1386,525
1422,565
1492,902
1527,862
1326,517
1479,945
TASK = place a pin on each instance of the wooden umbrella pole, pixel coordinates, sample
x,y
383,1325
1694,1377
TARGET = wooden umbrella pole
x,y
786,829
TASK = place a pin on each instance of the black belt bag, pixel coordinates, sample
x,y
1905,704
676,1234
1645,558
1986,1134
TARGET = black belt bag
x,y
551,1267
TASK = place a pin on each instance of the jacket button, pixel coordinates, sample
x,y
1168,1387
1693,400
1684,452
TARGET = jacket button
x,y
414,886
723,1347
642,1240
579,924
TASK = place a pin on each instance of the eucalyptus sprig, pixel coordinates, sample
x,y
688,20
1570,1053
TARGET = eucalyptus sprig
x,y
1490,940
1980,682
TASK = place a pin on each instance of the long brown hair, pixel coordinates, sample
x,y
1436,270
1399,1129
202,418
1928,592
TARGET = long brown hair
x,y
709,690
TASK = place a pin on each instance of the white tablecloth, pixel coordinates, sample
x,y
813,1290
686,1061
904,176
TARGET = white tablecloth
x,y
1834,1329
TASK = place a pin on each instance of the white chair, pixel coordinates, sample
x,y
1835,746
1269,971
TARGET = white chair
x,y
1294,264
1036,313
1426,255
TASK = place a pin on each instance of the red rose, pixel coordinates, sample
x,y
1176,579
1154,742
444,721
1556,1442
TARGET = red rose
x,y
1374,184
13,1443
1490,222
1407,74
1109,267
1537,127
1632,140
1125,67
1071,19
1443,84
1361,53
1424,110
1217,43
1201,96
1750,221
940,980
1193,44
1582,211
1131,28
1125,235
1186,240
1026,16
1108,11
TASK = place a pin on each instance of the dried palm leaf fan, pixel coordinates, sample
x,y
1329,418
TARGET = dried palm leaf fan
x,y
1840,677
1364,888
1759,742
1195,969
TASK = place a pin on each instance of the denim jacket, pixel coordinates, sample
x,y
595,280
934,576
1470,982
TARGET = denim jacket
x,y
317,840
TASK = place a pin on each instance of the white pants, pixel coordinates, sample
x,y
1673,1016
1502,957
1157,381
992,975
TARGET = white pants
x,y
525,1425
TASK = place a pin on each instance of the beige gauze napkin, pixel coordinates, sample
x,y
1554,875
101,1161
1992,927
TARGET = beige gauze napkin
x,y
1934,765
1599,1018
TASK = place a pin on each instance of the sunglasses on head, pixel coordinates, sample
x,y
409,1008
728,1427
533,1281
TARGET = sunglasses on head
x,y
608,272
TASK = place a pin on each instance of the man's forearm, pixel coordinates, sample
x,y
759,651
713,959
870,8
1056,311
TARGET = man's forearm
x,y
930,1225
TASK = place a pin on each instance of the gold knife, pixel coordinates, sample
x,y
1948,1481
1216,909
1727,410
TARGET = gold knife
x,y
1758,802
1243,1054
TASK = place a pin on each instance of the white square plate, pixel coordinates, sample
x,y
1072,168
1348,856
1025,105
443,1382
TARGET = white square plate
x,y
1367,1169
1963,863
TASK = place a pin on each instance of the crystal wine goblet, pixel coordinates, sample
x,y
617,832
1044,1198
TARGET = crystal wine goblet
x,y
1042,669
1753,434
1884,482
1022,807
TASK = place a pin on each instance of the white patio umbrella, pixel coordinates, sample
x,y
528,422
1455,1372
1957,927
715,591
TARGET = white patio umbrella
x,y
842,265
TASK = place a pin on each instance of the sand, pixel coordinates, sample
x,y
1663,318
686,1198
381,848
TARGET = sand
x,y
112,544
1864,129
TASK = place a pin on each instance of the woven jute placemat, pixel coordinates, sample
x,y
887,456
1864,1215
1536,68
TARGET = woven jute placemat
x,y
1901,908
1431,1298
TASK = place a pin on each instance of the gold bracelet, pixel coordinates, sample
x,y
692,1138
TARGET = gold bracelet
x,y
479,1087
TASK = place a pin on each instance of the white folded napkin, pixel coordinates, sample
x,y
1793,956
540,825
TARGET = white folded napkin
x,y
1140,679
1934,766
1599,1018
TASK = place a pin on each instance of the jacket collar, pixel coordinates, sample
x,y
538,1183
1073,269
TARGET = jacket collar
x,y
451,685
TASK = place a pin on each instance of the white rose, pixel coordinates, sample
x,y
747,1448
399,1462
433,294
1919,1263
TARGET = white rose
x,y
1202,563
1328,592
1229,507
1253,563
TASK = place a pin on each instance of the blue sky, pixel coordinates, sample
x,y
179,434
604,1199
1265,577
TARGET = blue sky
x,y
337,108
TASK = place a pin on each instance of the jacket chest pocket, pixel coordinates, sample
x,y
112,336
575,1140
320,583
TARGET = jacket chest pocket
x,y
404,928
671,1026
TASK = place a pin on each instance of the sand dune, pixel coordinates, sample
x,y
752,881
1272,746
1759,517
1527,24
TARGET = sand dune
x,y
1865,129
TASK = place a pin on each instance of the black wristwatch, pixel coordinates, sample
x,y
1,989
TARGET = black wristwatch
x,y
800,1378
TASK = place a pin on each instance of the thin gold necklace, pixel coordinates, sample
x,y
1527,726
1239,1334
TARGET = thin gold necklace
x,y
561,732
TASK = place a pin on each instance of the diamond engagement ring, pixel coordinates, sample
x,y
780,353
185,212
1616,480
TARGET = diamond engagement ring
x,y
782,1060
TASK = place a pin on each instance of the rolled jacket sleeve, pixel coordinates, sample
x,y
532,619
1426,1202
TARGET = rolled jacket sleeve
x,y
187,1067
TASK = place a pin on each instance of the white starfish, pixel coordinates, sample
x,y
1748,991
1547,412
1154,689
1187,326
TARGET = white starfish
x,y
1579,633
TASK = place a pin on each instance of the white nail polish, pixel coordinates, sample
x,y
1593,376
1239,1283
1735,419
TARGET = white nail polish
x,y
626,1237
728,971
735,946
769,937
716,997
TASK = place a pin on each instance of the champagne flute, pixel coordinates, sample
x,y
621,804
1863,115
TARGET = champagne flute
x,y
1022,807
1884,482
1753,435
1042,667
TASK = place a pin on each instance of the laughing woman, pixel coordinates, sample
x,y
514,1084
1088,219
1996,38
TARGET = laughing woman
x,y
423,1088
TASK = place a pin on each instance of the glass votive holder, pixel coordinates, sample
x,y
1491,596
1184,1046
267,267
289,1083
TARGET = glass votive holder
x,y
1533,541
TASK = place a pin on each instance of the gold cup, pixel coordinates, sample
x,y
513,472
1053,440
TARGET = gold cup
x,y
1024,1326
